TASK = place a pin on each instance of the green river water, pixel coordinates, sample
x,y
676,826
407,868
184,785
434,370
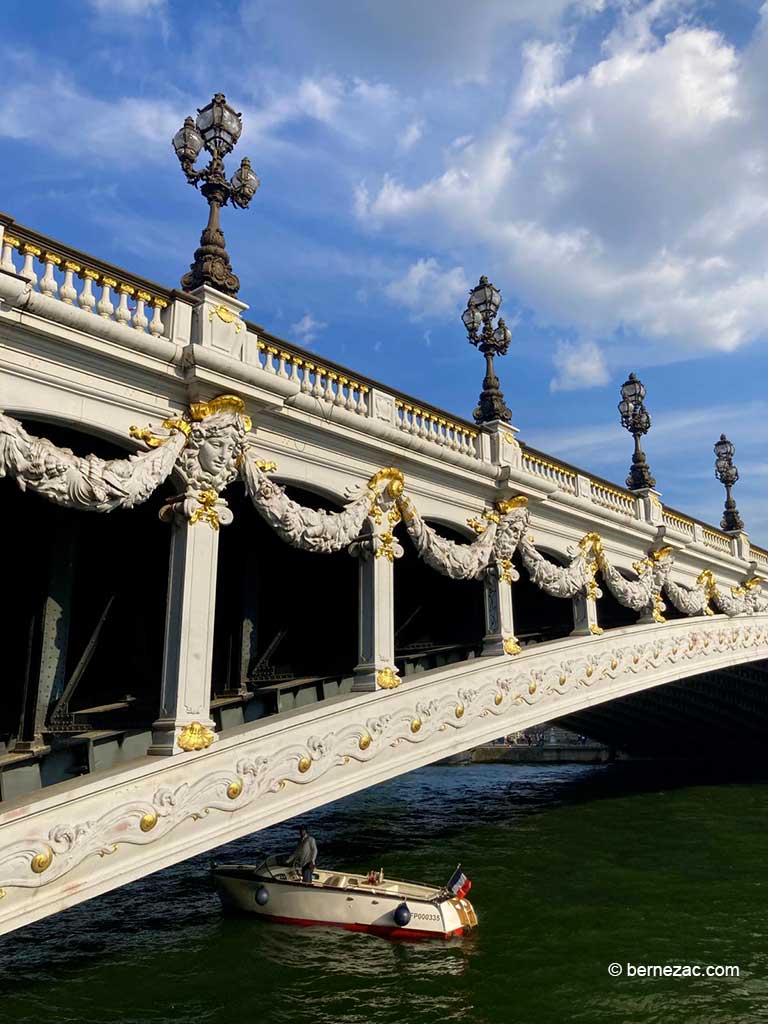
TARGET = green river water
x,y
574,868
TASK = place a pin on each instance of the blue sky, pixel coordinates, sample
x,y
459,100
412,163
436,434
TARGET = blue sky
x,y
605,162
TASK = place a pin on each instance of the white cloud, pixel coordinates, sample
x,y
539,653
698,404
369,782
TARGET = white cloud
x,y
411,135
129,7
307,329
428,290
631,197
578,365
57,113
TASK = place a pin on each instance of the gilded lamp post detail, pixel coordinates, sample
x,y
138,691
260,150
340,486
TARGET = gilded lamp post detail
x,y
478,317
217,127
727,473
635,419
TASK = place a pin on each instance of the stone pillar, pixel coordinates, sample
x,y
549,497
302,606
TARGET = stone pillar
x,y
585,616
499,445
499,619
188,656
48,662
376,551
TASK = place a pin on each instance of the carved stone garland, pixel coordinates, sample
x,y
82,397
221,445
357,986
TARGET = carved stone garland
x,y
208,446
89,484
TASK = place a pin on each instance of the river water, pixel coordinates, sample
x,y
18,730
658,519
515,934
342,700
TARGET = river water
x,y
574,868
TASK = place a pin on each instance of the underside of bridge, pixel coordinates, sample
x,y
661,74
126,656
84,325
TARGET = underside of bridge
x,y
717,714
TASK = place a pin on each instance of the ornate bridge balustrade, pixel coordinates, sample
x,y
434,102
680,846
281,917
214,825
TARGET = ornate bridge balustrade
x,y
264,489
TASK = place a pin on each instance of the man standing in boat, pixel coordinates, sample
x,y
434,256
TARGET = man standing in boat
x,y
305,855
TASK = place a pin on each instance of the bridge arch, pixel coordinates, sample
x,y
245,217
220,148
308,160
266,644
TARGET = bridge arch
x,y
85,584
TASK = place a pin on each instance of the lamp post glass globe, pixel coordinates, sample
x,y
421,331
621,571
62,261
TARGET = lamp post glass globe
x,y
485,298
187,142
244,184
220,126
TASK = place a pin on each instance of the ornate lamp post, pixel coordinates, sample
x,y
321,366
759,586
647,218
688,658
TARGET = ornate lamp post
x,y
727,473
478,317
217,127
635,419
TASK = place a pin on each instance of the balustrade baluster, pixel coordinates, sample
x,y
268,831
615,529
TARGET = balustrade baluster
x,y
306,383
156,327
317,390
68,292
104,306
28,270
281,370
295,364
140,321
123,313
362,402
48,284
86,299
269,365
349,401
9,244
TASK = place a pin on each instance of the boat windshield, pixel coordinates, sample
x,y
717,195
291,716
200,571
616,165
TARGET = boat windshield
x,y
277,862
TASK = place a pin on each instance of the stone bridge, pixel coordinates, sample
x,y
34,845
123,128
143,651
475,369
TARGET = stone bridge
x,y
242,582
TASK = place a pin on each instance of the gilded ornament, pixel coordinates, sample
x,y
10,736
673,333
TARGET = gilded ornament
x,y
234,789
459,712
3,894
42,861
148,821
532,687
589,671
387,678
365,741
199,411
596,630
206,512
305,763
511,646
266,467
145,434
509,504
498,699
563,680
227,316
195,736
415,725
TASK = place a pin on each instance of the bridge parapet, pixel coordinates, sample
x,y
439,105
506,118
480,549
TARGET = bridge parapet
x,y
72,286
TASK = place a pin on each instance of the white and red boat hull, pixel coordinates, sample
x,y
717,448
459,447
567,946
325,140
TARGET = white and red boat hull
x,y
341,901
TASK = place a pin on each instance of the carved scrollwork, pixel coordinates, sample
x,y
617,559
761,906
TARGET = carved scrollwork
x,y
86,483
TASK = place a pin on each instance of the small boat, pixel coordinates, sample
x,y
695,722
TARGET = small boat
x,y
275,892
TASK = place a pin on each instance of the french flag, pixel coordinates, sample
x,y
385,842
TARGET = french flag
x,y
459,884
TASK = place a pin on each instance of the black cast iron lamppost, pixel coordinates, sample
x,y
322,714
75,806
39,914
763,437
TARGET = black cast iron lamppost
x,y
635,419
217,127
727,473
478,317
